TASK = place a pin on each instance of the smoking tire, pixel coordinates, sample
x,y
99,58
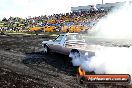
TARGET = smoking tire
x,y
74,53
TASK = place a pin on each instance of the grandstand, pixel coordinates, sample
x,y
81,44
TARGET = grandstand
x,y
98,7
80,19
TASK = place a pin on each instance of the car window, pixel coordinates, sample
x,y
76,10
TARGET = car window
x,y
74,37
59,38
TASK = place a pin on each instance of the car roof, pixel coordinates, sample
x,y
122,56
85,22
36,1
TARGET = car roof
x,y
71,33
68,33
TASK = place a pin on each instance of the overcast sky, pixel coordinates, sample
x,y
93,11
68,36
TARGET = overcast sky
x,y
25,8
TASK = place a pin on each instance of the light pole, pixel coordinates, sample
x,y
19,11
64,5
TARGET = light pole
x,y
102,2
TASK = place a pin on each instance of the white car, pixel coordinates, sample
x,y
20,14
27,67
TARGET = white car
x,y
68,43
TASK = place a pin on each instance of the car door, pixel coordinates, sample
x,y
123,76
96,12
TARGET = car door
x,y
57,44
65,48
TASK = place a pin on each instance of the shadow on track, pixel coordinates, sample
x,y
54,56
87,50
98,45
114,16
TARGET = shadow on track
x,y
61,62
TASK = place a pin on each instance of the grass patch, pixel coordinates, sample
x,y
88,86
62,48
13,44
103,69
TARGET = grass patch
x,y
26,33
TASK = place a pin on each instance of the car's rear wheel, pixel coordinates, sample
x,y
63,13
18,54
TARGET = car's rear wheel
x,y
74,53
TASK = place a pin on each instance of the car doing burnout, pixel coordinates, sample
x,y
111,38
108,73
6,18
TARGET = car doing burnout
x,y
68,44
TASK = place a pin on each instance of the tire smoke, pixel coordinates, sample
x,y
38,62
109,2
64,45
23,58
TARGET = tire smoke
x,y
111,60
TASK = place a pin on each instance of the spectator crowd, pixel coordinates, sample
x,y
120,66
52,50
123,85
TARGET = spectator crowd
x,y
68,22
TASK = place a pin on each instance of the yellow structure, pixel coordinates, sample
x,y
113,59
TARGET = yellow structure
x,y
64,29
74,28
35,28
49,28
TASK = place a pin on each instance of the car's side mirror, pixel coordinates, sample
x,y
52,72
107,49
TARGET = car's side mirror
x,y
50,41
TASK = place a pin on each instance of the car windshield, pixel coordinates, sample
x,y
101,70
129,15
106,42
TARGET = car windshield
x,y
59,38
75,37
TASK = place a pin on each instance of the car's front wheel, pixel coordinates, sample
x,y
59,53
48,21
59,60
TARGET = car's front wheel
x,y
45,49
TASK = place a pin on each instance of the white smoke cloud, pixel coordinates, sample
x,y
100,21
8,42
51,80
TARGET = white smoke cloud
x,y
116,24
112,60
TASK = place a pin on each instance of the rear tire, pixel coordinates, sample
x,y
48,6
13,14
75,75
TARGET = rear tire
x,y
74,53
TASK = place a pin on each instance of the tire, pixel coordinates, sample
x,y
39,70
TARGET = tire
x,y
45,49
74,53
